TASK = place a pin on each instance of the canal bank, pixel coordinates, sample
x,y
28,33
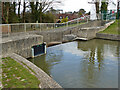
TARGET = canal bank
x,y
50,74
45,80
15,75
108,36
20,43
110,33
83,45
45,63
87,30
82,64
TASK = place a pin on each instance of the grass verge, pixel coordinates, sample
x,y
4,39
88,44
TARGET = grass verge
x,y
112,29
14,75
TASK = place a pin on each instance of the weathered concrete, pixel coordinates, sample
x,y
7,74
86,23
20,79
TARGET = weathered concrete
x,y
59,33
45,80
53,43
69,37
86,30
20,44
88,33
108,36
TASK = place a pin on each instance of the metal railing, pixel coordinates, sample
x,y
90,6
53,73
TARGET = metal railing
x,y
109,15
26,27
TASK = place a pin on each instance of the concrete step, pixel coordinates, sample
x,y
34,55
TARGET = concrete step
x,y
53,43
84,39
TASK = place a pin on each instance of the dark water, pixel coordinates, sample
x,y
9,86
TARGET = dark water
x,y
82,64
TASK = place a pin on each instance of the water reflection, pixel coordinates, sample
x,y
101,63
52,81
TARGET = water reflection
x,y
96,51
82,64
46,62
99,50
42,64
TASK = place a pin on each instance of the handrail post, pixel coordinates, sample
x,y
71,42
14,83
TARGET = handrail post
x,y
54,26
77,21
8,30
87,19
25,27
40,27
67,24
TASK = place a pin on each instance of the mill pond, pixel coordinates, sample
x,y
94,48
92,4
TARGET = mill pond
x,y
82,64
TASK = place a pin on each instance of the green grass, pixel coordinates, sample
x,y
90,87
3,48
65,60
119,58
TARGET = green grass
x,y
14,75
112,29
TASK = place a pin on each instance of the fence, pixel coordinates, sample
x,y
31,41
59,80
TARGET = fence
x,y
26,27
108,15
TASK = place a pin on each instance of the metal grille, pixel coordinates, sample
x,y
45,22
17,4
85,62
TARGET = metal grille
x,y
38,50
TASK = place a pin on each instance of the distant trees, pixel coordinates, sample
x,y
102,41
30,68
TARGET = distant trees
x,y
118,11
17,11
97,7
81,12
104,6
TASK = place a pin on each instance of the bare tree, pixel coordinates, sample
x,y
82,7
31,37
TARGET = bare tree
x,y
3,7
24,8
7,9
40,7
19,4
14,6
36,7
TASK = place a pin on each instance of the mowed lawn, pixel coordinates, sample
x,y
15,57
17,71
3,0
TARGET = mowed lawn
x,y
14,75
113,28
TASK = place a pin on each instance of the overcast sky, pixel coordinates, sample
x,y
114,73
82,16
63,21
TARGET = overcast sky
x,y
75,5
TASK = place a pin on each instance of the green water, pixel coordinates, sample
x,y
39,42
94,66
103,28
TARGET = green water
x,y
82,64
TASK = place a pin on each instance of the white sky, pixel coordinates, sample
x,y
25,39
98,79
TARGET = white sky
x,y
75,5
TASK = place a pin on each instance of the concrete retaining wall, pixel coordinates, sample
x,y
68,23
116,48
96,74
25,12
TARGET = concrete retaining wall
x,y
45,80
88,33
108,36
79,30
20,44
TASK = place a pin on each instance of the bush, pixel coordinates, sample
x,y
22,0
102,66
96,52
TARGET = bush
x,y
64,20
48,18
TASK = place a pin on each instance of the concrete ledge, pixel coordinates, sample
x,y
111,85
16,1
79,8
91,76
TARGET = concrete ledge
x,y
20,44
59,34
108,36
45,80
53,43
69,37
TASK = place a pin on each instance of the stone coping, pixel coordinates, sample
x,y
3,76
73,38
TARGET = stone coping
x,y
45,80
93,27
108,36
18,37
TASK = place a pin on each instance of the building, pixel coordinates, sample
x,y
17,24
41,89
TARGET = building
x,y
70,16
